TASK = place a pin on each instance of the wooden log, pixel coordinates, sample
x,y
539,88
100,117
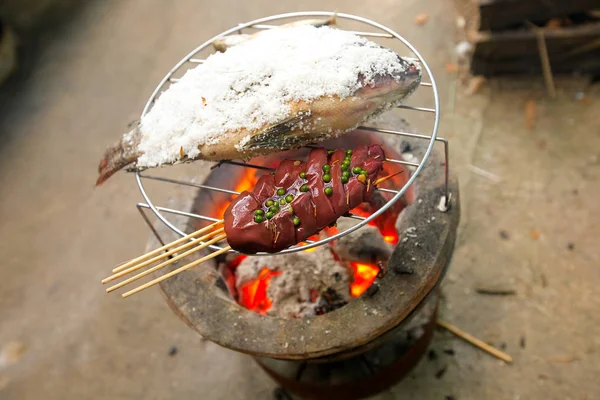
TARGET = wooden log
x,y
502,14
569,49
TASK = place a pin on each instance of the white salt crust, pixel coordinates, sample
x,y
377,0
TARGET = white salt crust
x,y
252,84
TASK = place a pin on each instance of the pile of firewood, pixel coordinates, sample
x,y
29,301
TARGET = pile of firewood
x,y
520,36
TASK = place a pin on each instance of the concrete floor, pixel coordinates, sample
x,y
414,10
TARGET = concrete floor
x,y
61,236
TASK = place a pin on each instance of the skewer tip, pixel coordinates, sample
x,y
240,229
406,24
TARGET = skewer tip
x,y
385,178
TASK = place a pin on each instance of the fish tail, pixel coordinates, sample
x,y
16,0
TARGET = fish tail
x,y
332,21
119,155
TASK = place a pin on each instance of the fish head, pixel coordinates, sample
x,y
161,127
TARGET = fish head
x,y
392,87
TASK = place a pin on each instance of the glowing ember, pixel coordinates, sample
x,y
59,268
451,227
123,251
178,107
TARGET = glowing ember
x,y
392,239
390,236
364,276
253,295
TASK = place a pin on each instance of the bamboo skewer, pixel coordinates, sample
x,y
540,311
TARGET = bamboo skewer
x,y
175,272
475,342
189,244
164,264
165,247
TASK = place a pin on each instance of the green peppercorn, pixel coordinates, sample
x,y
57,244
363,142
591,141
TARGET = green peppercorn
x,y
291,210
280,191
269,203
273,209
303,175
282,202
327,178
345,167
349,152
328,191
296,221
258,219
346,174
289,198
304,188
270,215
364,172
259,212
330,152
326,168
344,179
357,170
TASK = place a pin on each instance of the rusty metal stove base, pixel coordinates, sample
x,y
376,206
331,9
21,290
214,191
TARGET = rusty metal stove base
x,y
362,375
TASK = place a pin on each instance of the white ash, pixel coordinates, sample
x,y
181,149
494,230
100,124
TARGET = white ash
x,y
410,157
364,244
302,273
251,85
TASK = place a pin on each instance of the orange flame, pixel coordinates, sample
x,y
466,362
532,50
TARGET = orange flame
x,y
364,276
253,295
246,182
390,236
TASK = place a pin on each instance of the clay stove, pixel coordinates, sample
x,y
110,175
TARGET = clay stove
x,y
366,342
353,351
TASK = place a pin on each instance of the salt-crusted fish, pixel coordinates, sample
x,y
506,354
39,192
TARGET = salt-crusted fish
x,y
222,44
284,89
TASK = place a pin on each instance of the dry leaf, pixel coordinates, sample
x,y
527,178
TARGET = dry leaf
x,y
181,153
475,84
451,68
535,234
204,102
530,114
12,352
422,19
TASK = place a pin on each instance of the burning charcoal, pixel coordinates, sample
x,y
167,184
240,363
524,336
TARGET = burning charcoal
x,y
450,352
305,283
329,301
440,374
403,269
405,147
504,235
374,288
432,355
173,351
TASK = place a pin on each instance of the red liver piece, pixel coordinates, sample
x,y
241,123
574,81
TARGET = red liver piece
x,y
264,189
304,209
314,173
314,209
284,231
372,163
243,234
338,198
287,173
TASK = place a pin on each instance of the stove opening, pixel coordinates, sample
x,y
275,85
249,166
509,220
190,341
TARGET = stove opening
x,y
317,280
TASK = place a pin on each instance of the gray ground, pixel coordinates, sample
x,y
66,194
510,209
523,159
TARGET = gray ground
x,y
60,236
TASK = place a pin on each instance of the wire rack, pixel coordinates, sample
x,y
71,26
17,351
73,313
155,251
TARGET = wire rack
x,y
382,32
